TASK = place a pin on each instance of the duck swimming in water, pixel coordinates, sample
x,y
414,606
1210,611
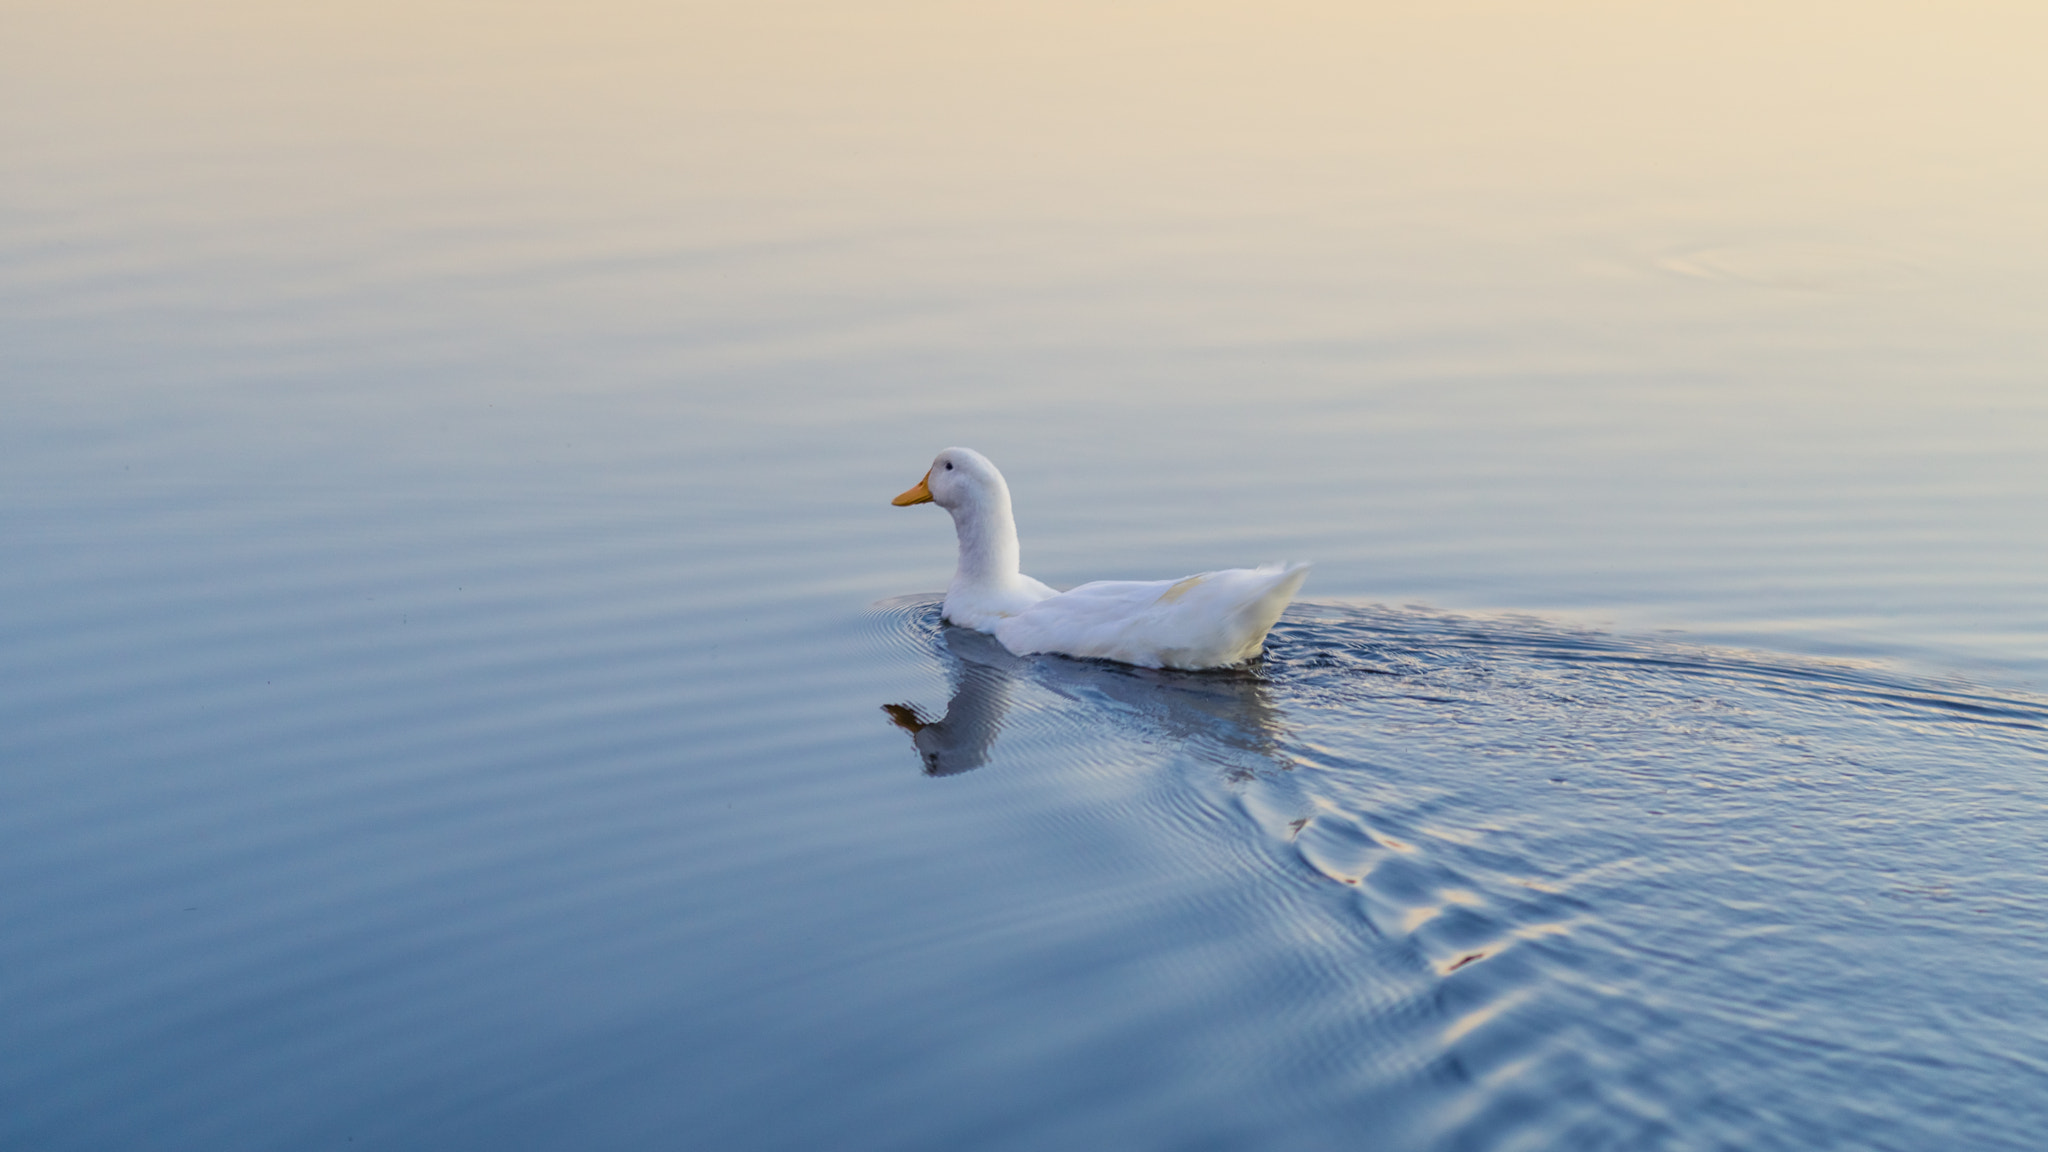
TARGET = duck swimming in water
x,y
1209,620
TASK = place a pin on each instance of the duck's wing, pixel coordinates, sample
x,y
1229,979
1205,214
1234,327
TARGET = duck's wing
x,y
1205,621
1080,619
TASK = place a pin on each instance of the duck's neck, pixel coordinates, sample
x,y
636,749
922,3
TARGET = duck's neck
x,y
988,541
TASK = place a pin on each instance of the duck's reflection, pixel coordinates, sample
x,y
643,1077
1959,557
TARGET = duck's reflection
x,y
1227,716
982,673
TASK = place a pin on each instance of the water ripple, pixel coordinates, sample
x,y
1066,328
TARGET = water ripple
x,y
1592,870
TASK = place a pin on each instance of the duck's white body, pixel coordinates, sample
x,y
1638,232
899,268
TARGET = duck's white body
x,y
1211,620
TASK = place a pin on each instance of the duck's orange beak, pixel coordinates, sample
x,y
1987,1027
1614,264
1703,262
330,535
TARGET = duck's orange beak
x,y
922,494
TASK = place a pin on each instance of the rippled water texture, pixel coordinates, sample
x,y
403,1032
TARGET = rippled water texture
x,y
462,684
1588,892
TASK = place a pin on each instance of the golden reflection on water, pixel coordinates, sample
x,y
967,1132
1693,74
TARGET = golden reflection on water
x,y
1890,117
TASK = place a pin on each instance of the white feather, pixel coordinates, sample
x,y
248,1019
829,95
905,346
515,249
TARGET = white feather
x,y
1210,620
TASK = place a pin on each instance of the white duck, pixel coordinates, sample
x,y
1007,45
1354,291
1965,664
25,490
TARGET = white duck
x,y
1210,620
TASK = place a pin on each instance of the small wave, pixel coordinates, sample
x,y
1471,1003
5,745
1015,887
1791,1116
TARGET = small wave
x,y
1408,644
904,627
1566,852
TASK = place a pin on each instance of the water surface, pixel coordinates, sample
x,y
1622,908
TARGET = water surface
x,y
455,643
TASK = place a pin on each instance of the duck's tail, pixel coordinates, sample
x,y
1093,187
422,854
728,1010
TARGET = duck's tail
x,y
1218,618
1266,592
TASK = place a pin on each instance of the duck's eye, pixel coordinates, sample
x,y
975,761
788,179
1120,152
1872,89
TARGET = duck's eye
x,y
949,465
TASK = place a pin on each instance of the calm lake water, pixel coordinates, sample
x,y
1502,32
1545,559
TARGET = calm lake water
x,y
450,596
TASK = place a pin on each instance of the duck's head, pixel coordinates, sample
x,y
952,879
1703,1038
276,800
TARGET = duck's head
x,y
959,477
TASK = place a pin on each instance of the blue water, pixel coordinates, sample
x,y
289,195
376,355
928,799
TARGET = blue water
x,y
458,663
